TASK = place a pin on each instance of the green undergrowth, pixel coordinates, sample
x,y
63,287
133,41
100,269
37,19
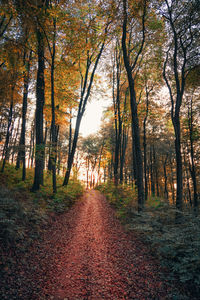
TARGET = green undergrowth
x,y
23,214
176,244
122,198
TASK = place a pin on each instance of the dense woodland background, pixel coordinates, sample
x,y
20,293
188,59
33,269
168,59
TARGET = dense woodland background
x,y
57,55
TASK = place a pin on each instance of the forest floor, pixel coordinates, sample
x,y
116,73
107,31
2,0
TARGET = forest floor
x,y
86,254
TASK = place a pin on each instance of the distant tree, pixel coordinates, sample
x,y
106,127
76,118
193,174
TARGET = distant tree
x,y
91,148
93,46
12,72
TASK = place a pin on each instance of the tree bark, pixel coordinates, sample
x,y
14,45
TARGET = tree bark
x,y
165,176
176,90
134,114
15,139
193,168
22,144
179,171
40,97
117,117
152,172
155,164
123,152
73,150
172,181
6,146
53,155
145,146
33,144
188,179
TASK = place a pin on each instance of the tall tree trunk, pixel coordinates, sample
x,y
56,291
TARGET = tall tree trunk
x,y
116,157
145,146
70,134
124,139
45,144
165,176
155,163
123,152
152,172
117,113
188,179
193,168
33,144
53,125
176,90
172,181
49,166
145,161
87,170
179,171
22,144
40,86
134,159
6,146
99,165
59,154
134,114
15,138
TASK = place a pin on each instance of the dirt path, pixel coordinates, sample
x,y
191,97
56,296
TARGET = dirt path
x,y
96,259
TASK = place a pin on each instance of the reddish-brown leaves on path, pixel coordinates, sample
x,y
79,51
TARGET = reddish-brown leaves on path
x,y
96,259
85,254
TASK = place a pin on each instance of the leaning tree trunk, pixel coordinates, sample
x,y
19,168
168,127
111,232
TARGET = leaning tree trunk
x,y
73,150
15,138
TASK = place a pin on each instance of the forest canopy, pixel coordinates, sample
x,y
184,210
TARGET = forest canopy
x,y
53,55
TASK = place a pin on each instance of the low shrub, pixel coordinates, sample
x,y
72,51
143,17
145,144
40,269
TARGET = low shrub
x,y
65,197
18,219
22,213
10,213
122,198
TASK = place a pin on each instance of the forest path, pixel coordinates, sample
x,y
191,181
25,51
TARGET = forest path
x,y
97,259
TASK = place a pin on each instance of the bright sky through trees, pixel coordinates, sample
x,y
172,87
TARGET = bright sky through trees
x,y
92,118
